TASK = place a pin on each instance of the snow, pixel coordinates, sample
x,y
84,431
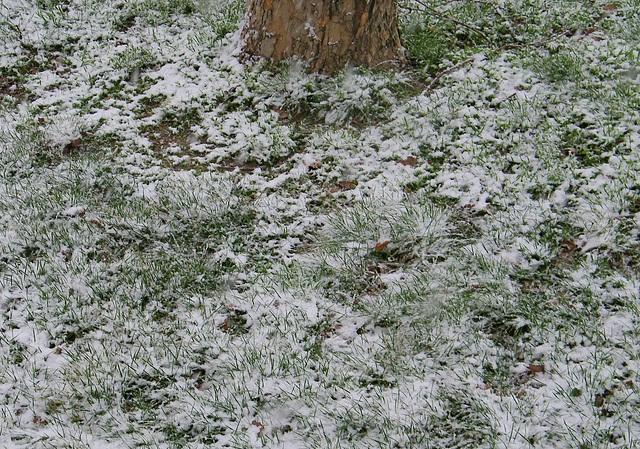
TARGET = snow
x,y
204,265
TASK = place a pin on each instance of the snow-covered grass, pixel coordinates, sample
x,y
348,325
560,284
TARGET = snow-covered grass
x,y
197,254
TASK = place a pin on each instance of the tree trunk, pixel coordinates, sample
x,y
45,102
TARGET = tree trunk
x,y
326,34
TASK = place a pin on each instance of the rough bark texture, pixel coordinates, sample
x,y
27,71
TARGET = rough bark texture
x,y
327,34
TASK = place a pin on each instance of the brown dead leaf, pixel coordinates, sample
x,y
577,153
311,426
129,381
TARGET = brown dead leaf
x,y
567,252
380,246
568,245
411,161
599,401
347,185
282,114
258,424
224,327
607,413
96,223
536,368
75,143
39,420
610,7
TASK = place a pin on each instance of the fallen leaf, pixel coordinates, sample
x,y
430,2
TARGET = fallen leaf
x,y
96,223
599,401
410,161
75,143
611,7
380,246
606,412
536,368
281,113
258,424
224,327
282,429
568,245
347,185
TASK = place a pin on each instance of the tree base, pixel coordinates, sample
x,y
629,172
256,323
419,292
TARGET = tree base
x,y
325,34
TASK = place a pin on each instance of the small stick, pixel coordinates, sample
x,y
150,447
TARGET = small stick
x,y
451,19
495,50
446,72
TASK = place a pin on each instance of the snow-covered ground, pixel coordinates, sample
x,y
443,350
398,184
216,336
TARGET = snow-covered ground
x,y
197,254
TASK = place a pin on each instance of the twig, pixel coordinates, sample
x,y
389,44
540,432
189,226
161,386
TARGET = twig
x,y
528,44
407,8
446,72
453,68
498,11
451,19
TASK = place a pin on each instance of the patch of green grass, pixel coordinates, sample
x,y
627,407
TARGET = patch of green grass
x,y
145,392
153,12
560,66
148,105
223,18
355,96
429,45
461,422
133,58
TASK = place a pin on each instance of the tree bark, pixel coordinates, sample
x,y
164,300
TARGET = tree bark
x,y
326,34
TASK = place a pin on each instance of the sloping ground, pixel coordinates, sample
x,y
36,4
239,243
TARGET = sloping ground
x,y
194,254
